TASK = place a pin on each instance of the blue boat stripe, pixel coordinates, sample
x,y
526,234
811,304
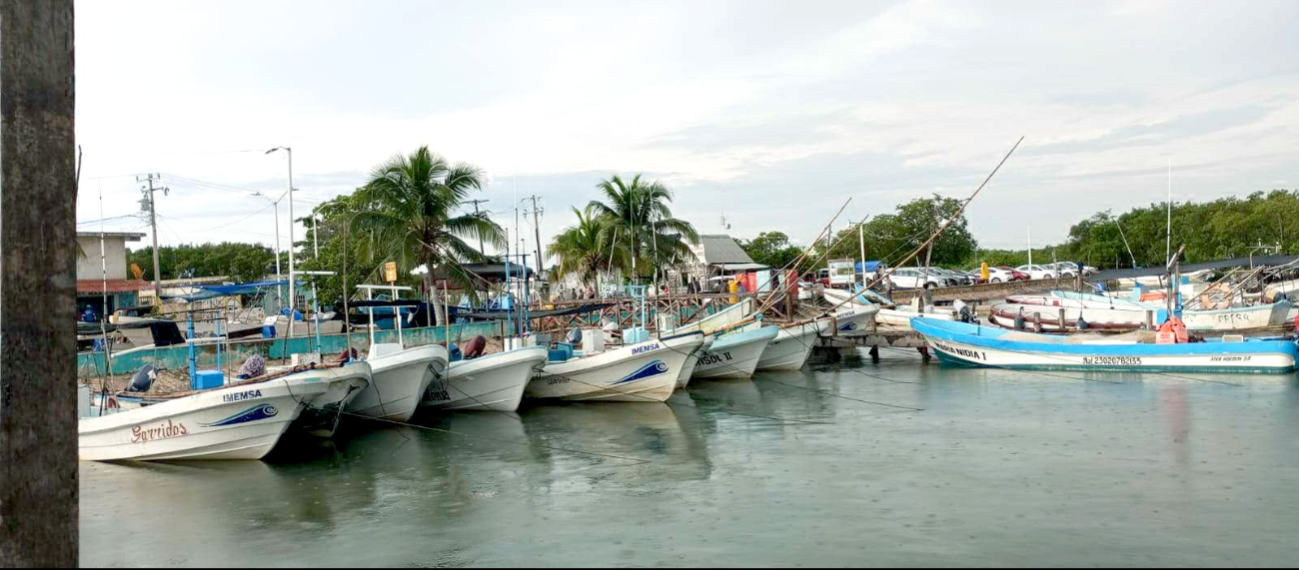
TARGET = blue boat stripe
x,y
652,369
250,415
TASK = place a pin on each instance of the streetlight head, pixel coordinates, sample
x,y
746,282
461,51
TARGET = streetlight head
x,y
273,150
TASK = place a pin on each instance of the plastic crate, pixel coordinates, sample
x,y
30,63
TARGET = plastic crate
x,y
207,379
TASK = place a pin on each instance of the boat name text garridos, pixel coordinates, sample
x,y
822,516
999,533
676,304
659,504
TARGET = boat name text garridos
x,y
975,354
241,396
140,434
645,348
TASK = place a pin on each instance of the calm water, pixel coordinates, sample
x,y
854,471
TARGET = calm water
x,y
800,469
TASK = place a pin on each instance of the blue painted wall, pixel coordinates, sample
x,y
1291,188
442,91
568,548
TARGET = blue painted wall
x,y
91,364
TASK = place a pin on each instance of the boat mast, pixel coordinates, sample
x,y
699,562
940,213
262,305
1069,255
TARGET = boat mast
x,y
1168,242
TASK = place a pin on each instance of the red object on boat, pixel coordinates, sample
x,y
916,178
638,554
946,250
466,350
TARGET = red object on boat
x,y
1177,328
1156,296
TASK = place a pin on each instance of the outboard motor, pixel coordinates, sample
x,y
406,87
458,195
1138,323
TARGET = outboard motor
x,y
143,379
1019,320
966,315
574,337
1082,323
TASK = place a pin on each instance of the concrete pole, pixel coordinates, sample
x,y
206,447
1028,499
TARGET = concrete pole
x,y
38,253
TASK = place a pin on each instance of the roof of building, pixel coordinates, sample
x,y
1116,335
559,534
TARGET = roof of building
x,y
130,236
113,285
722,249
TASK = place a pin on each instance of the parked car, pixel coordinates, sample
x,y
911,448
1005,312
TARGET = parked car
x,y
1006,274
823,276
1038,271
957,277
914,278
1069,269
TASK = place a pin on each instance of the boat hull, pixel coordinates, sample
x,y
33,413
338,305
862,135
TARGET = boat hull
x,y
645,372
735,355
398,382
494,382
855,320
692,361
792,346
968,346
241,422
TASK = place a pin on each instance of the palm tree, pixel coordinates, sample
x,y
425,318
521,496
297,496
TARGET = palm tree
x,y
588,248
640,212
409,204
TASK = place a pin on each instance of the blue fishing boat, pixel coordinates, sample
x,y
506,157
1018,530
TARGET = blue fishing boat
x,y
974,345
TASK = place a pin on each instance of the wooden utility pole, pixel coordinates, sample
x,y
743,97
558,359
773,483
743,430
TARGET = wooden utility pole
x,y
38,254
536,227
153,225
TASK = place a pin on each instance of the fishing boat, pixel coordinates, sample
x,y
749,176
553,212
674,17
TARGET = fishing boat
x,y
492,382
736,354
692,361
1229,319
241,421
854,320
1063,319
975,345
885,316
400,376
641,372
793,345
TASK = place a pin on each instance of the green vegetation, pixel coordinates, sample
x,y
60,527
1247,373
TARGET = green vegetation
x,y
588,248
639,214
239,261
771,248
1224,228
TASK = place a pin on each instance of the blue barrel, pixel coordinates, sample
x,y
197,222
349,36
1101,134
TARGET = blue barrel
x,y
268,331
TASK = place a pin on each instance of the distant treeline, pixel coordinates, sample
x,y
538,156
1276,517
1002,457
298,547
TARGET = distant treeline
x,y
240,261
1224,228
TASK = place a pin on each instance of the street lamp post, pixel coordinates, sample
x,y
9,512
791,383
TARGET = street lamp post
x,y
293,305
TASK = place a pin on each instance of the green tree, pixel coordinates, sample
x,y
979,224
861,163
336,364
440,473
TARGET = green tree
x,y
409,208
771,248
588,248
891,237
238,261
638,211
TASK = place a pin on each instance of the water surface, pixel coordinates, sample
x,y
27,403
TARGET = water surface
x,y
851,464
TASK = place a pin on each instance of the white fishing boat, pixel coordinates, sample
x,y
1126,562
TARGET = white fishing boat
x,y
854,320
1060,319
493,382
641,372
400,376
736,354
1220,320
692,361
242,421
974,345
793,345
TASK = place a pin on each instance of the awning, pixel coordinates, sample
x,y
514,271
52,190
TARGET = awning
x,y
741,266
89,286
212,291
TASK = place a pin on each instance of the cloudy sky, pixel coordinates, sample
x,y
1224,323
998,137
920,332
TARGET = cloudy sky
x,y
769,113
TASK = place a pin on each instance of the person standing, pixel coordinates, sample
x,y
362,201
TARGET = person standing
x,y
983,272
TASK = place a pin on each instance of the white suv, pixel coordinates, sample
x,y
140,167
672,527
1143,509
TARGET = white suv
x,y
1038,271
914,278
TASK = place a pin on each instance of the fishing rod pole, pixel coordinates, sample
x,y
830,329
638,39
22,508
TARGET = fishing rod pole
x,y
941,228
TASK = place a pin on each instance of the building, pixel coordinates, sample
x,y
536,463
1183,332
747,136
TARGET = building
x,y
715,258
95,274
